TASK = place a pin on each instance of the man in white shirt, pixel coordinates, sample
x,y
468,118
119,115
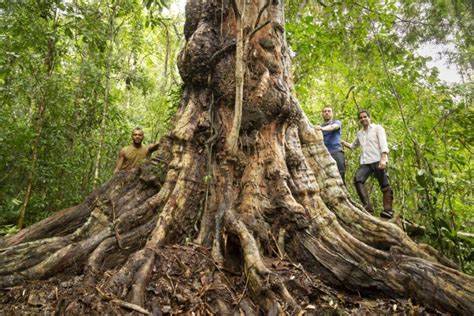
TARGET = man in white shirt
x,y
373,161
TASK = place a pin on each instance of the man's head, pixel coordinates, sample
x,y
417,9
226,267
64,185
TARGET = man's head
x,y
137,136
364,118
327,114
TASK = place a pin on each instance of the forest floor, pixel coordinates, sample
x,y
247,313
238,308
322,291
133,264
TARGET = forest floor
x,y
186,281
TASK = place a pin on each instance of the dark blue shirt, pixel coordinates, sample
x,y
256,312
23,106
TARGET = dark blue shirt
x,y
332,139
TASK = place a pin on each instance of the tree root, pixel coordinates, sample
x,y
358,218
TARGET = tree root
x,y
262,282
91,235
180,192
121,303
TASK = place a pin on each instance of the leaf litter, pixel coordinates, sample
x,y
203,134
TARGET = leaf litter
x,y
185,280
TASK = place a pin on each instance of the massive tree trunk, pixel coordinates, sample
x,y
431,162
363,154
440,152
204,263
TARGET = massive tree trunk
x,y
273,194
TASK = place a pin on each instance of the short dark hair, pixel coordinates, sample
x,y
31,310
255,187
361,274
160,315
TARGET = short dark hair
x,y
363,111
138,129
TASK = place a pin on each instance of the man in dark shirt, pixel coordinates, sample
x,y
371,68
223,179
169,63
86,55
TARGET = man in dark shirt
x,y
332,139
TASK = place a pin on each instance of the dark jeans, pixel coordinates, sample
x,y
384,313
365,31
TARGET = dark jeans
x,y
338,156
364,171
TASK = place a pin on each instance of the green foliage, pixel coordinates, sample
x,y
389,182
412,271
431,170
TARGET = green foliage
x,y
352,55
93,66
8,230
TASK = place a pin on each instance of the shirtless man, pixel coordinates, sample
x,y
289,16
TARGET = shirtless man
x,y
131,156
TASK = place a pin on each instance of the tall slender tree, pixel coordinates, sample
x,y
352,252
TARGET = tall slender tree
x,y
39,101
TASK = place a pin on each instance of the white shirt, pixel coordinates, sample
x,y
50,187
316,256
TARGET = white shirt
x,y
373,142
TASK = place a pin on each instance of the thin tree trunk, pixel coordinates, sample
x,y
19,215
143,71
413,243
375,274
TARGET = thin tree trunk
x,y
167,55
34,158
49,62
105,110
240,52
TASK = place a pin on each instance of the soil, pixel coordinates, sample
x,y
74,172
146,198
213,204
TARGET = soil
x,y
186,281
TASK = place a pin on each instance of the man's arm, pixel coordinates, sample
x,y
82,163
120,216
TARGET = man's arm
x,y
383,161
346,144
352,146
382,137
153,147
328,128
120,160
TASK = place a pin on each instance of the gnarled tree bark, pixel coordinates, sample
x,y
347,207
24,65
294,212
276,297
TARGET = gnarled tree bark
x,y
279,194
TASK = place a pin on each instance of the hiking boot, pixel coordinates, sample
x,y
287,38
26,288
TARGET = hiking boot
x,y
387,202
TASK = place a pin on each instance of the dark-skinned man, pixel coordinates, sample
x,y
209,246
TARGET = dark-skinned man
x,y
132,155
373,161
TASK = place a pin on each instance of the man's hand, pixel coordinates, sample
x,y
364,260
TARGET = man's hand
x,y
317,128
348,145
153,147
383,161
382,164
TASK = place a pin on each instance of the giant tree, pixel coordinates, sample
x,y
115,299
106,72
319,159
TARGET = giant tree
x,y
243,166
